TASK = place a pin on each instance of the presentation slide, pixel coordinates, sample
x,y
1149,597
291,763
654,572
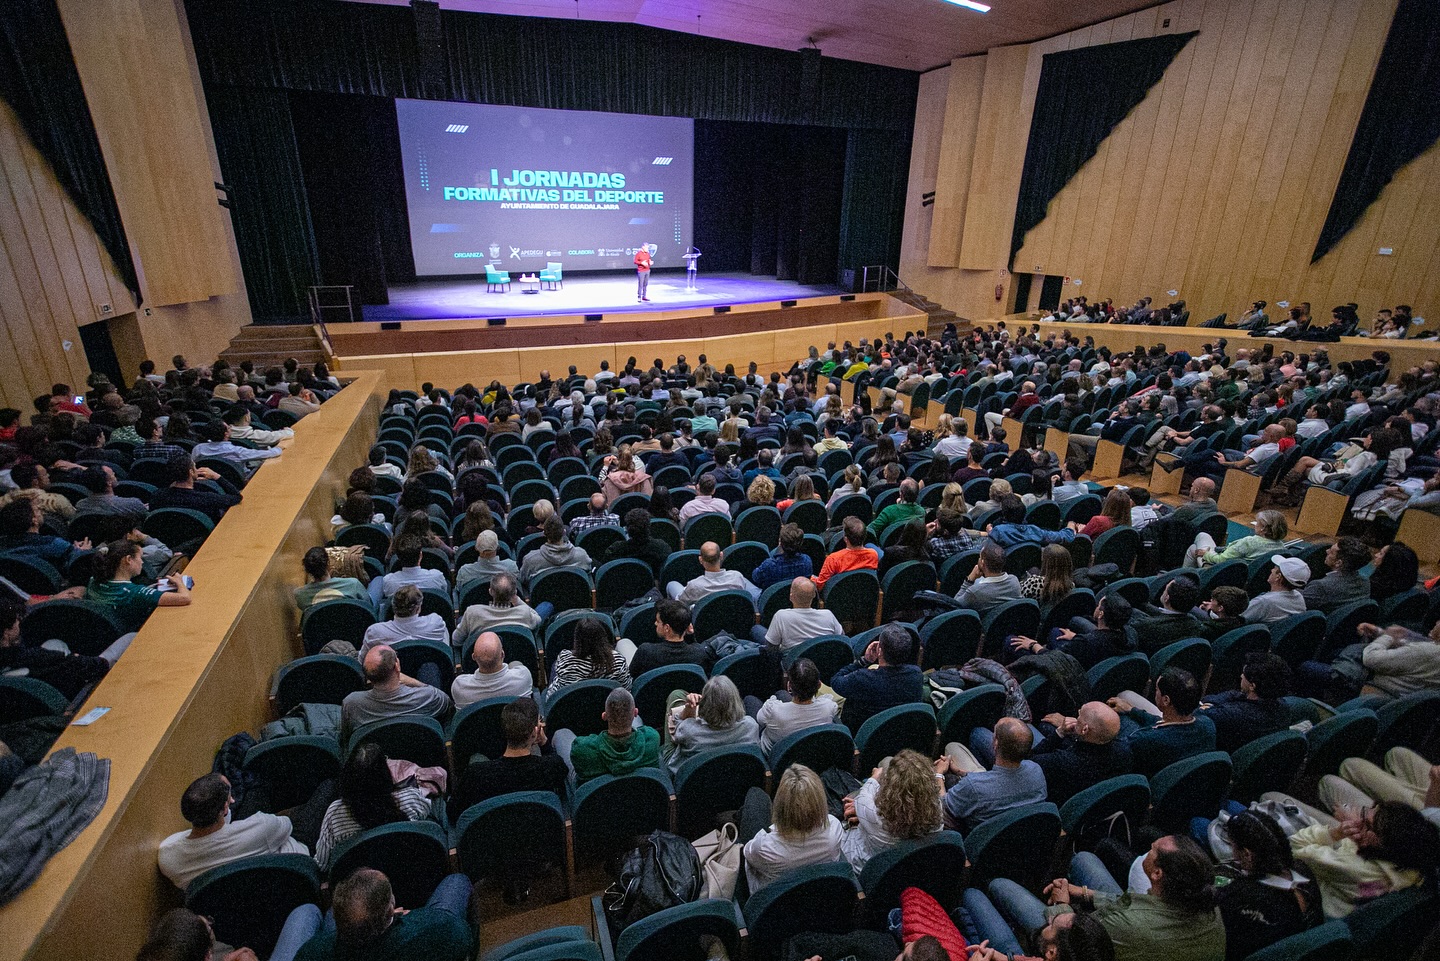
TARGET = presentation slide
x,y
519,188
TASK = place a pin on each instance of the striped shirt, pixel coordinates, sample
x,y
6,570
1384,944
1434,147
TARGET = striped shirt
x,y
339,825
571,669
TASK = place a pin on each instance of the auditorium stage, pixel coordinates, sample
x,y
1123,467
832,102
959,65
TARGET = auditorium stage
x,y
463,298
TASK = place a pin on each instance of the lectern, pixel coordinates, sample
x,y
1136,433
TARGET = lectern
x,y
692,254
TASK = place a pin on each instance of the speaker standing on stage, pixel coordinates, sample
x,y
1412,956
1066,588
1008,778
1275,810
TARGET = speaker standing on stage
x,y
642,270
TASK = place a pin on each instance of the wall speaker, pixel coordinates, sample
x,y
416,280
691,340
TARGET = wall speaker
x,y
722,310
390,325
846,298
788,303
495,321
593,317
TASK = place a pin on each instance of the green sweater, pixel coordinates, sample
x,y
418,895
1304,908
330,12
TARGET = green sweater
x,y
1145,928
894,513
597,754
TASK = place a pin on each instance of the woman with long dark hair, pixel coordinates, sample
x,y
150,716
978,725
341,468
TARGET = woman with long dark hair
x,y
1261,896
368,799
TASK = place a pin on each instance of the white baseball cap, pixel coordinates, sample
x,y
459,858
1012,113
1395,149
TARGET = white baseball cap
x,y
1293,569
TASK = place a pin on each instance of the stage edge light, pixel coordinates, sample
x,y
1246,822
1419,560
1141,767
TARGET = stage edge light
x,y
971,5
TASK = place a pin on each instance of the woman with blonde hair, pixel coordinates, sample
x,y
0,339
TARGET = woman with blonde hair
x,y
834,407
1054,580
953,498
900,801
853,482
699,722
730,429
795,830
761,492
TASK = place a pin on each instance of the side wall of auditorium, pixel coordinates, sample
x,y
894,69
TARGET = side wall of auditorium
x,y
1215,186
138,72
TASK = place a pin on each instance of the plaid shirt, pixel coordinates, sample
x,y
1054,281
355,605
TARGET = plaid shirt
x,y
943,547
585,522
157,452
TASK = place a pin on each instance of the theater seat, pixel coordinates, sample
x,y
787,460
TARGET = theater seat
x,y
248,900
414,855
513,837
819,898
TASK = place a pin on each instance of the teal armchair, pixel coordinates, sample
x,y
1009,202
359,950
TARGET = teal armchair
x,y
551,275
496,280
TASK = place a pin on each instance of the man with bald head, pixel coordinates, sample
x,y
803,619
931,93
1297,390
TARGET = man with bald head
x,y
598,516
713,579
801,621
975,795
390,694
367,924
1026,399
1082,751
492,676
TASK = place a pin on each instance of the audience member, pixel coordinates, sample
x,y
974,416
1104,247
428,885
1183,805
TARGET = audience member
x,y
884,676
214,839
492,676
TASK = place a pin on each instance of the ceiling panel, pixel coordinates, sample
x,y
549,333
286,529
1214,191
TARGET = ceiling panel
x,y
911,34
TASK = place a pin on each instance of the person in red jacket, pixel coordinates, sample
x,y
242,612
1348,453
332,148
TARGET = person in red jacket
x,y
642,269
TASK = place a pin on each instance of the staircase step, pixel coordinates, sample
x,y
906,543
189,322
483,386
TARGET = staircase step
x,y
270,345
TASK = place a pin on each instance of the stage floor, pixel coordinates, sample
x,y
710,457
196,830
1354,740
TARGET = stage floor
x,y
605,293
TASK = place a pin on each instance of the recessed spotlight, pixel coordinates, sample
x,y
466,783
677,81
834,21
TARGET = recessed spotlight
x,y
971,5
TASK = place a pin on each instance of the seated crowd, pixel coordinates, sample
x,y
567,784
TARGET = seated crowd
x,y
746,561
105,494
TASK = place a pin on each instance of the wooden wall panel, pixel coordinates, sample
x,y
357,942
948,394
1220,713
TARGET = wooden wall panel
x,y
1245,137
951,170
133,58
1219,181
54,274
1000,137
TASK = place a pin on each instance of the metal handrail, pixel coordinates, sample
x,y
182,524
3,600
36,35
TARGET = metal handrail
x,y
885,279
317,310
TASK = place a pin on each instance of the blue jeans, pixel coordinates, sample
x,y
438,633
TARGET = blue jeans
x,y
452,895
302,925
1087,869
546,610
979,921
1023,910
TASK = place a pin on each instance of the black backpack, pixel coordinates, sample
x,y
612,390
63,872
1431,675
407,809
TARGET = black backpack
x,y
662,872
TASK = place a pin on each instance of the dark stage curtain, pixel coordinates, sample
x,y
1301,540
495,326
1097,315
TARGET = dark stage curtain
x,y
39,82
1083,95
350,156
255,141
877,167
1401,119
768,199
336,47
774,201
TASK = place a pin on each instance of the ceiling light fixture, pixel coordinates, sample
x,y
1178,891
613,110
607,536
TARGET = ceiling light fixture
x,y
971,5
